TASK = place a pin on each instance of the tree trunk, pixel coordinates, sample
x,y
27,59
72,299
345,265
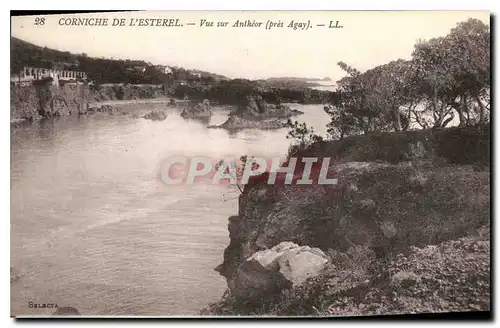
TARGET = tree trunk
x,y
482,116
396,119
462,109
441,114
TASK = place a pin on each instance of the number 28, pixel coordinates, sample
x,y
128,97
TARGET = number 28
x,y
39,21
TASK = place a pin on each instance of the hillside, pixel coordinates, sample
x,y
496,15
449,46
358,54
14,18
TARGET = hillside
x,y
140,79
101,70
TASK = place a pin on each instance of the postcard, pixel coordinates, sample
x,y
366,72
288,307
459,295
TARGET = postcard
x,y
250,164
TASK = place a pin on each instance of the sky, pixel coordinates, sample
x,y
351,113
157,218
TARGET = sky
x,y
367,39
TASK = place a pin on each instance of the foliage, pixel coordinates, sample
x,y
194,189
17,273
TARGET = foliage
x,y
453,73
236,169
446,75
301,133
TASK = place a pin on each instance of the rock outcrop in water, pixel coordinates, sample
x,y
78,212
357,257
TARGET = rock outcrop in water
x,y
254,113
255,108
235,123
156,115
106,109
400,232
199,111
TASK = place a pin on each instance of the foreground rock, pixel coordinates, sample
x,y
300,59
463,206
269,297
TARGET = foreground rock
x,y
408,214
156,115
268,272
447,277
202,110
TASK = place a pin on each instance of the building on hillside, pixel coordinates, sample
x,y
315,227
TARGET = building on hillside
x,y
141,69
164,69
29,74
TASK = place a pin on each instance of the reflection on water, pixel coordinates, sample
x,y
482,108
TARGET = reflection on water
x,y
92,226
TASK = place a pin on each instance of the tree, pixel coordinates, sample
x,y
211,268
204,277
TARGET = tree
x,y
352,102
388,90
453,70
370,101
470,51
302,134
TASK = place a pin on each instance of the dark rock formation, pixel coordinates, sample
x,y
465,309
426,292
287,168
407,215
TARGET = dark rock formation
x,y
235,123
382,206
42,101
254,113
156,115
46,100
255,108
201,110
126,92
107,109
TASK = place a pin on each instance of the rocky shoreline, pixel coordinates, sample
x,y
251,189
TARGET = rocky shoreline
x,y
44,101
394,236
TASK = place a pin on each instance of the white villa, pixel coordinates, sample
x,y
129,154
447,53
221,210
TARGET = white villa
x,y
30,74
164,69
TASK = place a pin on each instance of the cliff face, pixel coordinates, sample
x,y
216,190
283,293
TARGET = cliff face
x,y
379,212
45,100
41,101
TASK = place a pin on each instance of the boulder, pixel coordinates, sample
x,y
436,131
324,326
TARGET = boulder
x,y
200,110
156,115
267,272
